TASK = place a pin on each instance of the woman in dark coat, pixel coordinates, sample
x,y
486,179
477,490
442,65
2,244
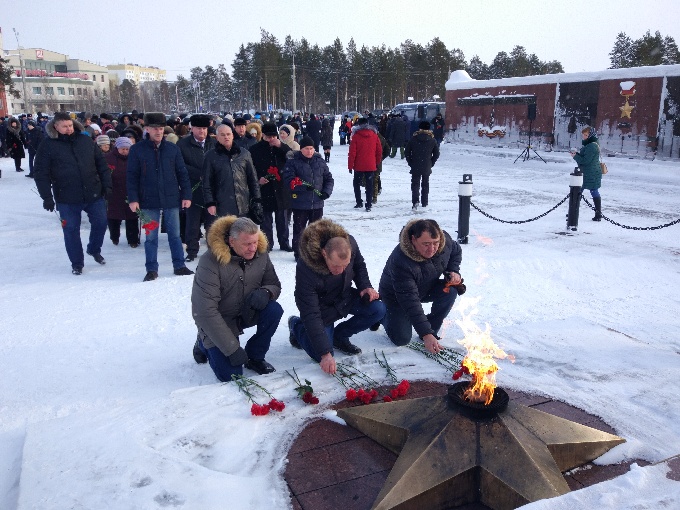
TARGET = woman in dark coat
x,y
588,161
117,208
15,141
326,139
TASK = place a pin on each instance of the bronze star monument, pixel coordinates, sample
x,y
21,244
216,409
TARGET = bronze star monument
x,y
448,457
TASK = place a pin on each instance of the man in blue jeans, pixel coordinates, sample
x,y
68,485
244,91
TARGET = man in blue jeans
x,y
329,262
412,276
73,168
157,179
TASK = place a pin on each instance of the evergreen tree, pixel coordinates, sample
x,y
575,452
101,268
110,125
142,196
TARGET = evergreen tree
x,y
6,71
477,69
622,54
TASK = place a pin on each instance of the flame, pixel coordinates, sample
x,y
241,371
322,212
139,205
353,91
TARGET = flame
x,y
481,355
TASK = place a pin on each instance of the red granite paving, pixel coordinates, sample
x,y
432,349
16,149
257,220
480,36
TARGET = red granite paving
x,y
332,466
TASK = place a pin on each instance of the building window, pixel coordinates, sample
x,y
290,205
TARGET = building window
x,y
96,93
71,91
61,91
37,90
80,91
102,78
49,90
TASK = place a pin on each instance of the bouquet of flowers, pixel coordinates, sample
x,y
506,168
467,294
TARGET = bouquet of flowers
x,y
247,386
273,174
299,182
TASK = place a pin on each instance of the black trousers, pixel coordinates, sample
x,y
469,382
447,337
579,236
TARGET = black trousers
x,y
282,222
358,178
194,216
131,230
416,187
301,218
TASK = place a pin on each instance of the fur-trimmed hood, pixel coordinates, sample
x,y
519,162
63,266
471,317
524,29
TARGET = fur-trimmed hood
x,y
16,131
407,246
314,238
425,132
53,133
217,239
361,127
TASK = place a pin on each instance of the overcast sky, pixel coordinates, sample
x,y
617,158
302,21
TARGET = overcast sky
x,y
178,35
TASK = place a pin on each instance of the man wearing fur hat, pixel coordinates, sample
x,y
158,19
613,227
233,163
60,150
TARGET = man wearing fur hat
x,y
72,167
193,147
329,262
242,138
235,288
422,152
412,276
269,158
157,179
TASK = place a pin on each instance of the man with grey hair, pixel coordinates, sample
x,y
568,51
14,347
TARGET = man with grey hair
x,y
235,288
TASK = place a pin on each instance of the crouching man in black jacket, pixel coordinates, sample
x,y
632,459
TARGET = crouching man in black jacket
x,y
412,277
329,262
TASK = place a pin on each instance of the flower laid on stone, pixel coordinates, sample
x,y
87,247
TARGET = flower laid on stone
x,y
247,386
448,358
460,372
304,391
402,388
355,381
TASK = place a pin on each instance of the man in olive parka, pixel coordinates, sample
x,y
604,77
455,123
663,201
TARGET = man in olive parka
x,y
235,288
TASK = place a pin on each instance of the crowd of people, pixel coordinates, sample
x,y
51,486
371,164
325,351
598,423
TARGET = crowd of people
x,y
241,179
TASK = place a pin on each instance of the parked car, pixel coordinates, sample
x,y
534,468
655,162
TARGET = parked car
x,y
418,112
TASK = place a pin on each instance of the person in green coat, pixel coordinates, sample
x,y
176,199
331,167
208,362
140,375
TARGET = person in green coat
x,y
588,161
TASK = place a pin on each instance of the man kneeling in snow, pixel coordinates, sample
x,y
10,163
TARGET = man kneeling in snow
x,y
329,262
235,287
412,277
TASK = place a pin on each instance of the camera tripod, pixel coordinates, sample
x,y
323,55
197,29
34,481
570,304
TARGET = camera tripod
x,y
526,153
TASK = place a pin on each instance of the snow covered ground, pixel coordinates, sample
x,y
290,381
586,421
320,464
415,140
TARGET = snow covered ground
x,y
102,405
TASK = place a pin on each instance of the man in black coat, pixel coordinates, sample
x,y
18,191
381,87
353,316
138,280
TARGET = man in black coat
x,y
242,138
193,147
412,276
33,139
398,131
313,130
73,167
329,262
422,152
269,158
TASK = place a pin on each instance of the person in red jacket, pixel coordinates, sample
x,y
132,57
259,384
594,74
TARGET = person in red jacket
x,y
365,154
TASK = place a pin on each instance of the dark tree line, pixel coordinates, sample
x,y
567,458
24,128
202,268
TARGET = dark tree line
x,y
648,50
337,77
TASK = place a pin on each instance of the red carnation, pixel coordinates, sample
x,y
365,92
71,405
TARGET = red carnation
x,y
366,398
148,227
373,393
277,405
403,387
259,410
457,375
361,392
274,173
387,398
351,394
295,182
309,398
394,393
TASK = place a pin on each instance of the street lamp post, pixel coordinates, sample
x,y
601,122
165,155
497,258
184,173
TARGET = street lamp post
x,y
27,100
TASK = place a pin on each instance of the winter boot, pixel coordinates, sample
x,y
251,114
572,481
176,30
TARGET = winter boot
x,y
598,209
359,205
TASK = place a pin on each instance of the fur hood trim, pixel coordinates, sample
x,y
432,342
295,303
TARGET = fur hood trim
x,y
362,127
217,239
407,246
424,132
315,237
53,133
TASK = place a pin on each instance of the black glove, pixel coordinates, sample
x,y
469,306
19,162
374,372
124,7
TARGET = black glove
x,y
258,299
324,195
238,357
48,204
461,288
256,212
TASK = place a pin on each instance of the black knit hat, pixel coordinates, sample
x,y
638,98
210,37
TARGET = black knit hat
x,y
362,120
154,119
306,142
425,125
200,120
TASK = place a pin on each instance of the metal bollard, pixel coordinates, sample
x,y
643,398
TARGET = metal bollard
x,y
464,197
575,185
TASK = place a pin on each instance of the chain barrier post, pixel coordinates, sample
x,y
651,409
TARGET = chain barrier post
x,y
575,185
464,198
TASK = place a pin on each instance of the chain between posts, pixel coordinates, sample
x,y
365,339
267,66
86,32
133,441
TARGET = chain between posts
x,y
521,221
657,227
